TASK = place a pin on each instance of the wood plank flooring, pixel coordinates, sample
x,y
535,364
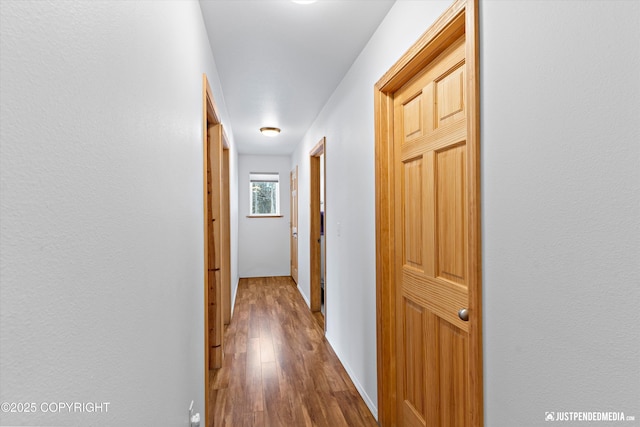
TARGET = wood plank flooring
x,y
278,369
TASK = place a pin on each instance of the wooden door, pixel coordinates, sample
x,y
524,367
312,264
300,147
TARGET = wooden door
x,y
431,229
294,223
428,229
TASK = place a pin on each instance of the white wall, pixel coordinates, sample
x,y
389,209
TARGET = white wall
x,y
102,218
264,242
347,122
561,208
561,204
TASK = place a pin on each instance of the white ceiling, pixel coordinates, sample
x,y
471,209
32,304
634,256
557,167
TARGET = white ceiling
x,y
280,61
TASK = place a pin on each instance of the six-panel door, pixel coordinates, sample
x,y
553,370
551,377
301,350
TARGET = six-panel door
x,y
431,243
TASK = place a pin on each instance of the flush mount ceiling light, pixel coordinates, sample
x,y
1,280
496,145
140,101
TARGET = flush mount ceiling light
x,y
270,131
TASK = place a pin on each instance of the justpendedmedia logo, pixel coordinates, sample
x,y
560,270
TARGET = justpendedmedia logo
x,y
602,416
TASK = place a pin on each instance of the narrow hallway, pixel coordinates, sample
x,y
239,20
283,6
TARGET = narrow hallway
x,y
278,368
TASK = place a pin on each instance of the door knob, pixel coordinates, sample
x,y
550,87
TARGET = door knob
x,y
463,314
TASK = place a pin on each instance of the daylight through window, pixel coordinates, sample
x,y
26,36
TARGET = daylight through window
x,y
264,193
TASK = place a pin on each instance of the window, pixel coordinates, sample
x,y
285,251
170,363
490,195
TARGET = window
x,y
264,192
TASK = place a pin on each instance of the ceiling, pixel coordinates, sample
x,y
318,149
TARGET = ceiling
x,y
279,61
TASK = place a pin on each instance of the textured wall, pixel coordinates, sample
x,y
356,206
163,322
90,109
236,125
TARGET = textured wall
x,y
101,206
561,208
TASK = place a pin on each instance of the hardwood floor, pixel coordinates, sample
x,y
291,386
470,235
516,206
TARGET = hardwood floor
x,y
278,369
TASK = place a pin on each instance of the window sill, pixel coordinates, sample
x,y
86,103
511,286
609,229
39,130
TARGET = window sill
x,y
265,216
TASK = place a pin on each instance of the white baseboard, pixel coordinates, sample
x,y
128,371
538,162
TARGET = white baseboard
x,y
304,297
233,297
367,400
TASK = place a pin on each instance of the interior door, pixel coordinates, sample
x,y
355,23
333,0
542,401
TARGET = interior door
x,y
431,235
294,223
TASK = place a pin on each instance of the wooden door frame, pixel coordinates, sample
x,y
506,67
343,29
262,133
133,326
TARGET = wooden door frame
x,y
314,225
221,291
461,17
